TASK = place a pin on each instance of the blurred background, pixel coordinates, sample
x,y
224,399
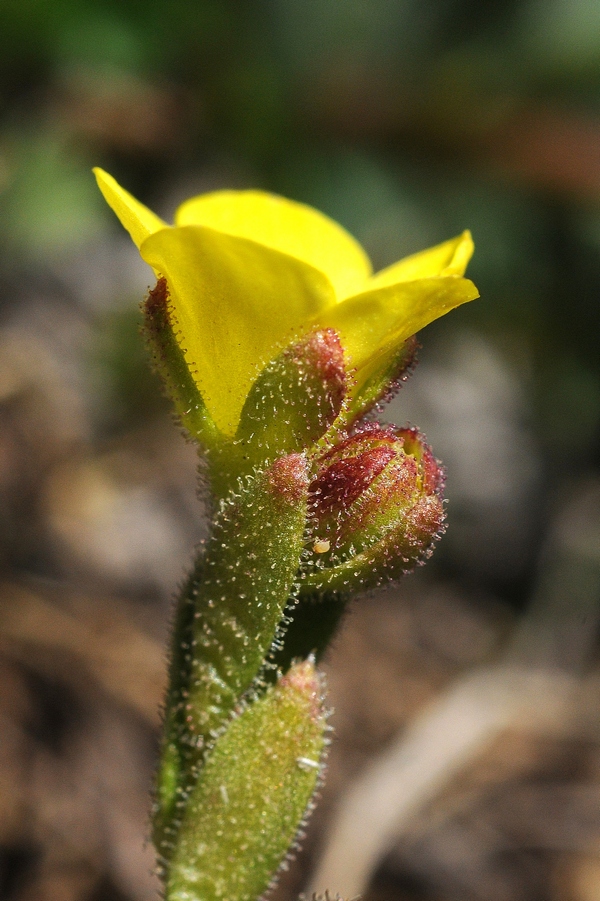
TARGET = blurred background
x,y
466,758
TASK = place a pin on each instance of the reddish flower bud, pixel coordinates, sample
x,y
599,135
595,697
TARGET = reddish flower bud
x,y
376,507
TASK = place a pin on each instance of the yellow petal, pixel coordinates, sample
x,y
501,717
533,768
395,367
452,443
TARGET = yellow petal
x,y
449,258
284,225
236,304
370,324
134,216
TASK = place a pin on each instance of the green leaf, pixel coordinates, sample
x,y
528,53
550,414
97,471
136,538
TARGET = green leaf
x,y
252,795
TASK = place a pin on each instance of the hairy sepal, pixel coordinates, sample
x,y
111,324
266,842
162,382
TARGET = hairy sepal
x,y
160,330
378,382
289,408
295,398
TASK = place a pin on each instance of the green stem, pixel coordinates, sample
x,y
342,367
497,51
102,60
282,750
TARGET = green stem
x,y
227,619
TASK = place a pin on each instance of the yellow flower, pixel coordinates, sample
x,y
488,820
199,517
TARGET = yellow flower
x,y
249,273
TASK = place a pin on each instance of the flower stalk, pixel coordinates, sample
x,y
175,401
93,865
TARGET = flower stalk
x,y
274,340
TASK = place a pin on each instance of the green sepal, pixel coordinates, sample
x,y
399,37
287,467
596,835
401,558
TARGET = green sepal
x,y
159,330
295,399
381,378
252,795
291,405
229,616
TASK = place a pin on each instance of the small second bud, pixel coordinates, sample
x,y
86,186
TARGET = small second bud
x,y
376,507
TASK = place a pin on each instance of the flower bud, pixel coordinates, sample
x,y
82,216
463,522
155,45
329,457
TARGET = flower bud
x,y
375,506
